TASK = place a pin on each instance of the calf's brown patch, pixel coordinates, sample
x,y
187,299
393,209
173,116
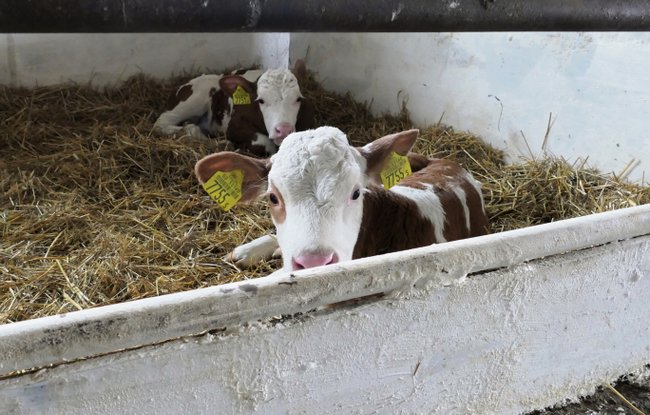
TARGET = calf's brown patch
x,y
390,223
181,94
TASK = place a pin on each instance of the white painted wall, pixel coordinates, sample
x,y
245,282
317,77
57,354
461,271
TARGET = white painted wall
x,y
497,85
28,59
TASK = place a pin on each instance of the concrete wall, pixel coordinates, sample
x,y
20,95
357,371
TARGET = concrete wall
x,y
500,85
27,59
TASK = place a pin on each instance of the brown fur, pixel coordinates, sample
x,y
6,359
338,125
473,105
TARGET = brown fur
x,y
377,154
219,105
417,161
392,222
181,95
306,116
444,175
478,220
247,120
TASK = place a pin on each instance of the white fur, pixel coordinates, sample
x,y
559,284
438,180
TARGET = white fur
x,y
278,93
263,140
477,186
429,204
195,106
316,172
255,251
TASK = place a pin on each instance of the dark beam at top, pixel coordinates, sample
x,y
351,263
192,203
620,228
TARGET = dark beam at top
x,y
132,16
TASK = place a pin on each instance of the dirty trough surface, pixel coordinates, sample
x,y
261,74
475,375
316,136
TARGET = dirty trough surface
x,y
95,209
605,401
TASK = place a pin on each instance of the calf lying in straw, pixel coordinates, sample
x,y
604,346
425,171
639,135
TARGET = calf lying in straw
x,y
255,109
327,205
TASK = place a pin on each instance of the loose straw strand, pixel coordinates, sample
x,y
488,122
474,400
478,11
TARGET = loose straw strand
x,y
625,401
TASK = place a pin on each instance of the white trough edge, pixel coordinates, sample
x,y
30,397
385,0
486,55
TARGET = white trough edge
x,y
505,342
56,339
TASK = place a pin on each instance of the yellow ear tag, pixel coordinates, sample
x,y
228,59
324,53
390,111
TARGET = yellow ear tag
x,y
225,188
240,96
396,169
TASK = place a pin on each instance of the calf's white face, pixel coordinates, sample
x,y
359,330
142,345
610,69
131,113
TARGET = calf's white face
x,y
315,196
315,189
278,95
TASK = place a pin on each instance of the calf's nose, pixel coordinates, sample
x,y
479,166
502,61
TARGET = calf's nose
x,y
283,129
313,259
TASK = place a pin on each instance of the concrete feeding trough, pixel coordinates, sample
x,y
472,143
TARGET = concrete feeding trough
x,y
504,323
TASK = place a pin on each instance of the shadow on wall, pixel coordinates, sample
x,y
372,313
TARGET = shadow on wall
x,y
46,59
503,86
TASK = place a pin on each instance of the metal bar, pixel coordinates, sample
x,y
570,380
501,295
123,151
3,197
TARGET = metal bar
x,y
129,16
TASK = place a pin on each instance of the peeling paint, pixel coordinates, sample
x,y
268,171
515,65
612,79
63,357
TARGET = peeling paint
x,y
443,267
255,10
249,288
396,12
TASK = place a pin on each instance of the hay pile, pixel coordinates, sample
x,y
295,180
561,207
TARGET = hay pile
x,y
95,209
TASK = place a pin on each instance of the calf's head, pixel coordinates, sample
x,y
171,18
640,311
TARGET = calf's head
x,y
315,189
277,95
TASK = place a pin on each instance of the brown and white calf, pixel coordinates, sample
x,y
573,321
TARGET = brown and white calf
x,y
327,206
255,109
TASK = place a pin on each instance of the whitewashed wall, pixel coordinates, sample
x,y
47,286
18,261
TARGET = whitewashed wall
x,y
502,86
28,59
498,85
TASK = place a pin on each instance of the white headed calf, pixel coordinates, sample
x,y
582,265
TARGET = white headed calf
x,y
327,207
255,109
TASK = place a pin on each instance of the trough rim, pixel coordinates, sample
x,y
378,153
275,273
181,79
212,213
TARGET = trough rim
x,y
81,334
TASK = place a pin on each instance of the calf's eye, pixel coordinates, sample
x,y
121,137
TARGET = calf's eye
x,y
273,199
356,194
299,99
261,101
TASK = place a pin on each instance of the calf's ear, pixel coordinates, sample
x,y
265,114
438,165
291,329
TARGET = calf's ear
x,y
229,83
306,116
255,171
300,71
377,152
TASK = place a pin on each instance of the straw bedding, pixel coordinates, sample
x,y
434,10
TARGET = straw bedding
x,y
95,209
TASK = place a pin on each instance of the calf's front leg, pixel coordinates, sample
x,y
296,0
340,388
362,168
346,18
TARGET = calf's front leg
x,y
251,253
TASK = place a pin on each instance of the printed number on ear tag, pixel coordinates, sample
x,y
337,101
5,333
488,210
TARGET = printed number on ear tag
x,y
240,97
397,168
225,188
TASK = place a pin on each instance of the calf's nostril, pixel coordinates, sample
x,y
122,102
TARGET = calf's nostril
x,y
310,260
283,129
296,265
